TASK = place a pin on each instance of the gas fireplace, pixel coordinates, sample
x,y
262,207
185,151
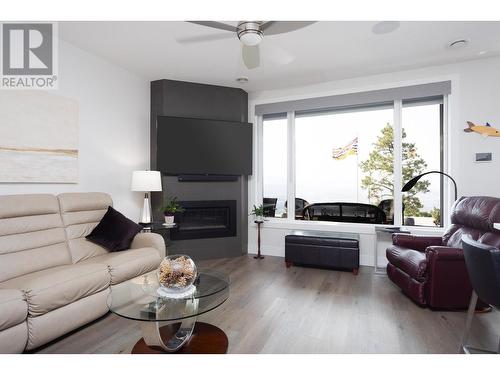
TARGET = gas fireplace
x,y
205,219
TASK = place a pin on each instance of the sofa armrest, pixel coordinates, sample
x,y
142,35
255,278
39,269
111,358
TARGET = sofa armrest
x,y
448,285
153,240
412,241
438,253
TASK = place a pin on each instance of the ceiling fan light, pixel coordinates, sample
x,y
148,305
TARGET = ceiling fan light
x,y
250,37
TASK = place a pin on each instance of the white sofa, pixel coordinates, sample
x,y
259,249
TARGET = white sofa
x,y
52,279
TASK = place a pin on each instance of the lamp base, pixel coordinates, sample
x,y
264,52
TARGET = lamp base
x,y
146,210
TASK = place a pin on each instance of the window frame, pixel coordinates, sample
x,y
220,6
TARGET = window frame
x,y
398,183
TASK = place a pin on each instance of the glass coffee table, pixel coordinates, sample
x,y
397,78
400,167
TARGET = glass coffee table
x,y
169,325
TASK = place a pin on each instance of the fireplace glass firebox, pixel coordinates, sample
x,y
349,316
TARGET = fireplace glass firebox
x,y
205,219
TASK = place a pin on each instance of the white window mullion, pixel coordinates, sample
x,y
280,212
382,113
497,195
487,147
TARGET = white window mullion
x,y
259,160
448,188
398,163
291,166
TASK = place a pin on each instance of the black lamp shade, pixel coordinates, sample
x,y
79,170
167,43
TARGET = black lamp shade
x,y
411,183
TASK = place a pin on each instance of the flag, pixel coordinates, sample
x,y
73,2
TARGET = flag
x,y
343,152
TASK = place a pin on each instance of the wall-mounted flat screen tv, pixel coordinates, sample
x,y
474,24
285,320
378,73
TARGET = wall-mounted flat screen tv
x,y
199,146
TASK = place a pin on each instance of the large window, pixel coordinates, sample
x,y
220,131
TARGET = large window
x,y
422,152
348,164
345,157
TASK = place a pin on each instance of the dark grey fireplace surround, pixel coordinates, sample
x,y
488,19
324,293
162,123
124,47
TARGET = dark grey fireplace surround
x,y
195,100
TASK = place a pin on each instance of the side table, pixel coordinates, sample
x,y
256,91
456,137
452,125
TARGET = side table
x,y
156,226
379,233
259,223
160,228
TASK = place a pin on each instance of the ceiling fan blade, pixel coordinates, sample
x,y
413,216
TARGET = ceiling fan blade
x,y
204,38
215,25
251,56
275,54
280,27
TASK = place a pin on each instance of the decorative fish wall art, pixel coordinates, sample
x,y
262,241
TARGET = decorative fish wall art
x,y
485,130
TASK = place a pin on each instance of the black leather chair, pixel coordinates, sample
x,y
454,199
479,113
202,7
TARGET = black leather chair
x,y
483,266
299,207
269,205
387,205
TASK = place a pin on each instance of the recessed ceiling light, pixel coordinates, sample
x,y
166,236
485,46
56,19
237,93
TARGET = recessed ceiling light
x,y
242,79
458,43
482,53
385,27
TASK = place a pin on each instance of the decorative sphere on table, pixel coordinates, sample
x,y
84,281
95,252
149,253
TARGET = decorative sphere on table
x,y
177,273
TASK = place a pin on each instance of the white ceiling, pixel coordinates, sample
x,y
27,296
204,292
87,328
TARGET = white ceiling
x,y
320,52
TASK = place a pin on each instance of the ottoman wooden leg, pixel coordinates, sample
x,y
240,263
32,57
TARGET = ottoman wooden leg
x,y
355,271
288,264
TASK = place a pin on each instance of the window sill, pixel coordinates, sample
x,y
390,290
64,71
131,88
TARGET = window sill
x,y
359,228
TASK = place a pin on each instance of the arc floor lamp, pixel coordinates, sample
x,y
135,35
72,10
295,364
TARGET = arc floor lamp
x,y
411,183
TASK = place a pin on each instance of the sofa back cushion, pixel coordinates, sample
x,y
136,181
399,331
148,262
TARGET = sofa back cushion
x,y
32,236
81,212
474,217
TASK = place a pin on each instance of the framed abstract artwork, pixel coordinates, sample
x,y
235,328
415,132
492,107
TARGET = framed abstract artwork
x,y
38,137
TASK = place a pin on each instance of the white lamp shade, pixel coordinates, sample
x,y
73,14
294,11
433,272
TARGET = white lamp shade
x,y
146,181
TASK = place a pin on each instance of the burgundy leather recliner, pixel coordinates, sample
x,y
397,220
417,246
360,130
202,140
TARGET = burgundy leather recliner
x,y
431,270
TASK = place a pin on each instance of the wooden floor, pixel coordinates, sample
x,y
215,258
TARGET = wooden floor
x,y
305,310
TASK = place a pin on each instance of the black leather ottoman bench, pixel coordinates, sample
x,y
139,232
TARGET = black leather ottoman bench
x,y
322,251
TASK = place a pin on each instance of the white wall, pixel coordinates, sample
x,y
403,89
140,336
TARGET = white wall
x,y
475,97
113,128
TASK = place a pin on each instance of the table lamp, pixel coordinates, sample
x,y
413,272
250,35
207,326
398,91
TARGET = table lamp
x,y
146,181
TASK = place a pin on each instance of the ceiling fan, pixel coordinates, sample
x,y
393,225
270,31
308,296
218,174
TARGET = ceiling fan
x,y
251,34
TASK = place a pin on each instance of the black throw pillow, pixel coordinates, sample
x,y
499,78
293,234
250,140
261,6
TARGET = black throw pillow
x,y
115,232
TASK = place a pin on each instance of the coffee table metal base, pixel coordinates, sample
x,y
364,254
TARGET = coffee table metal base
x,y
185,338
151,333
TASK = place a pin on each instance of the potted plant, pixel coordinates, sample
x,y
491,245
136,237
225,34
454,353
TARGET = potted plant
x,y
170,208
258,212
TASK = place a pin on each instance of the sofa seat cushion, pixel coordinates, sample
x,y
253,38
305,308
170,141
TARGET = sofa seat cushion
x,y
13,308
52,288
412,262
127,264
13,340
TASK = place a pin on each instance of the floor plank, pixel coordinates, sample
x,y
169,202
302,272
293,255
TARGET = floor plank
x,y
273,309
